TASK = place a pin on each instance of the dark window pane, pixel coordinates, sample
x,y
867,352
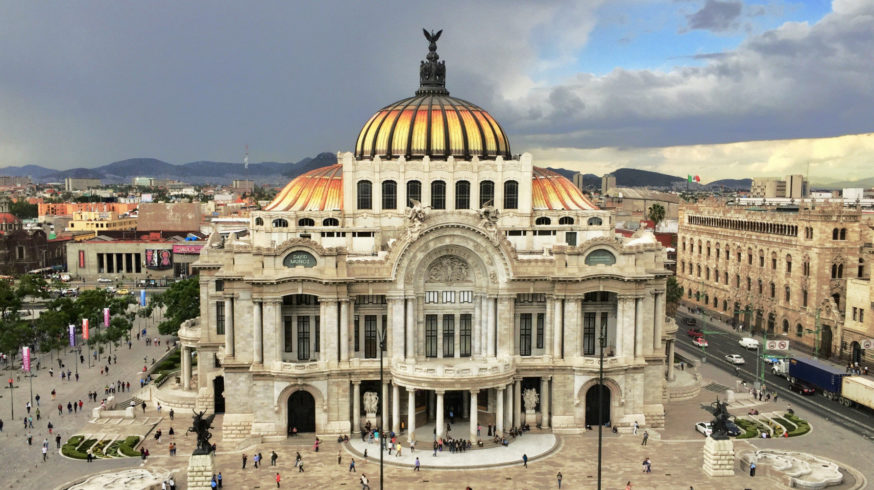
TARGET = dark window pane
x,y
303,338
414,191
389,194
430,335
462,194
511,194
370,339
486,192
540,324
365,194
465,326
220,317
448,336
525,334
438,194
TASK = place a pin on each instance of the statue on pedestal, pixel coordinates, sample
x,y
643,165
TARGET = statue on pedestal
x,y
201,426
720,420
530,397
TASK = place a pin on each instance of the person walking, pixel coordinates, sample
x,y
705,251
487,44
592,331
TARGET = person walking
x,y
218,478
635,428
352,466
58,440
645,438
417,466
273,458
525,460
752,469
339,458
45,450
277,480
245,457
558,477
365,484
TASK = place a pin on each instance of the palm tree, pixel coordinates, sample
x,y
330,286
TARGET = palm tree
x,y
656,213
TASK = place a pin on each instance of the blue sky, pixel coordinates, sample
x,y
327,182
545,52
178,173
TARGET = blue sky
x,y
89,83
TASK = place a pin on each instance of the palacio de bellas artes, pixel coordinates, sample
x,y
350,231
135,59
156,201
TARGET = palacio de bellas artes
x,y
486,280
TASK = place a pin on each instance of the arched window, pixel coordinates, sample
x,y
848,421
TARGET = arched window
x,y
834,271
840,271
699,247
565,220
699,270
462,194
724,305
330,222
438,194
773,289
785,327
843,234
389,194
761,258
414,191
542,221
799,330
306,222
760,286
787,294
594,221
486,192
788,264
365,194
835,234
600,256
773,260
511,194
707,274
259,222
684,244
280,223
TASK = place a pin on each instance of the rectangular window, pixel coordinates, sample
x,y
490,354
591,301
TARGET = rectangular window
x,y
604,317
570,238
318,327
855,313
220,317
589,334
303,338
288,334
861,314
138,261
356,335
430,335
465,334
465,296
449,296
462,194
99,263
448,335
432,296
370,339
384,333
804,298
541,320
525,334
219,285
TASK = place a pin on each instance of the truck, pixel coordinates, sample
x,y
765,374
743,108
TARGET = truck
x,y
781,368
857,390
818,374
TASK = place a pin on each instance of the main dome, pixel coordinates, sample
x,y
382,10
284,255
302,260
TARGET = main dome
x,y
432,123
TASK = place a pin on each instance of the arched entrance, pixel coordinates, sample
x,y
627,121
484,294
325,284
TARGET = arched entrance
x,y
772,320
855,352
825,345
218,389
592,404
301,412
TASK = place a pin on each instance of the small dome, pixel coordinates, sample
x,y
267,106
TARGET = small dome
x,y
317,190
432,123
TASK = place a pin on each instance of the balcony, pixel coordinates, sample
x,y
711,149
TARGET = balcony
x,y
455,374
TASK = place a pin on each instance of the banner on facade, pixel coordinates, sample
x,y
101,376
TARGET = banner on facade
x,y
106,317
187,249
72,335
142,297
777,345
25,358
85,334
81,259
159,259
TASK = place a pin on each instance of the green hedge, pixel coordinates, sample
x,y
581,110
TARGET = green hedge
x,y
803,427
97,450
785,423
86,445
112,450
127,447
749,427
69,449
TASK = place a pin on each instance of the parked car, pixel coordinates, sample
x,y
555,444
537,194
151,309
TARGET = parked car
x,y
802,388
734,358
733,429
694,332
104,280
749,343
690,322
705,428
700,341
122,292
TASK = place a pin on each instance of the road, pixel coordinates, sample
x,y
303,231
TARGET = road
x,y
722,342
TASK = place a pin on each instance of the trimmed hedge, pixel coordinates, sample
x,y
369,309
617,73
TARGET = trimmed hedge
x,y
97,450
69,449
785,423
112,450
127,447
803,427
86,445
749,427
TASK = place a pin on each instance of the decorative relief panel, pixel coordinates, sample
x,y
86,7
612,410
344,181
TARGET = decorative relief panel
x,y
448,268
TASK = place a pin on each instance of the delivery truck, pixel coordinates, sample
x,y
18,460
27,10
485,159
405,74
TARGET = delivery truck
x,y
857,390
818,374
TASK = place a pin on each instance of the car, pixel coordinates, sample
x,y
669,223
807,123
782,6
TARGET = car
x,y
690,322
694,332
749,343
733,429
700,341
104,280
122,292
734,358
802,388
705,428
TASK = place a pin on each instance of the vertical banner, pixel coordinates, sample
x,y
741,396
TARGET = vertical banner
x,y
106,317
81,259
25,358
72,335
142,297
85,334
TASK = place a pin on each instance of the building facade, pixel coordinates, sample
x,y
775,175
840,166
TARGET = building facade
x,y
488,278
792,187
72,184
100,221
780,271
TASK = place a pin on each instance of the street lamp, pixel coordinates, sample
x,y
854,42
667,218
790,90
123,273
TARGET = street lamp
x,y
815,331
11,387
602,342
381,336
747,312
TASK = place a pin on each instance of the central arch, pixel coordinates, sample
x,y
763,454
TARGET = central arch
x,y
595,394
301,412
825,347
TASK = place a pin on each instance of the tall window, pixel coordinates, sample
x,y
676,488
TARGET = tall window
x,y
570,237
511,194
289,334
365,194
448,336
370,339
438,194
389,194
486,192
430,335
804,298
465,326
462,194
589,334
220,317
525,334
303,338
384,333
414,191
318,326
356,333
541,317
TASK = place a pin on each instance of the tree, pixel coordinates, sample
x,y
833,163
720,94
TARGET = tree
x,y
182,301
656,213
23,210
673,295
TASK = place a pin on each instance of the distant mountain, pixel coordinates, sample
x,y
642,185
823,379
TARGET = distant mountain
x,y
738,184
632,177
864,183
32,171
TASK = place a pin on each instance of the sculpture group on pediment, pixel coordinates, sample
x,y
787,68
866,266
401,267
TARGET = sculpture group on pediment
x,y
448,269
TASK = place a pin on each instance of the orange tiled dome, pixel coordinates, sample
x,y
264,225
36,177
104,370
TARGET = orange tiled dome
x,y
550,190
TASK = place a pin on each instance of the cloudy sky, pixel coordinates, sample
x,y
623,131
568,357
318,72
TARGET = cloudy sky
x,y
721,88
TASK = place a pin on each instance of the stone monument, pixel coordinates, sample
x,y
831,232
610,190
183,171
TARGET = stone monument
x,y
371,404
718,447
530,398
201,465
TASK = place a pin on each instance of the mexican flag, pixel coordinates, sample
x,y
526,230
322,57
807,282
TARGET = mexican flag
x,y
695,178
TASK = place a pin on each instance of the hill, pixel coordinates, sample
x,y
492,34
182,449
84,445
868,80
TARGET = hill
x,y
632,177
739,184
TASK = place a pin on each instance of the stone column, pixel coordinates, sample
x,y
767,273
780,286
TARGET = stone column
x,y
411,414
476,328
517,404
499,411
395,408
544,402
473,413
396,328
659,321
186,368
229,326
456,344
506,317
638,327
411,328
384,406
547,327
258,347
439,412
508,406
344,329
557,319
671,360
646,314
356,406
572,327
492,326
272,331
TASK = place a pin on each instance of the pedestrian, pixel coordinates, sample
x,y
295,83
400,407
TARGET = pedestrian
x,y
416,467
752,469
277,480
628,486
244,460
558,477
219,479
634,429
37,399
172,483
45,451
27,405
775,397
645,438
352,466
525,460
171,414
273,458
213,483
300,467
1,425
255,460
58,440
339,457
365,485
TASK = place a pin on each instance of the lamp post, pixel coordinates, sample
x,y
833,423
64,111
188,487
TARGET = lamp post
x,y
602,342
381,337
746,311
815,331
11,387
